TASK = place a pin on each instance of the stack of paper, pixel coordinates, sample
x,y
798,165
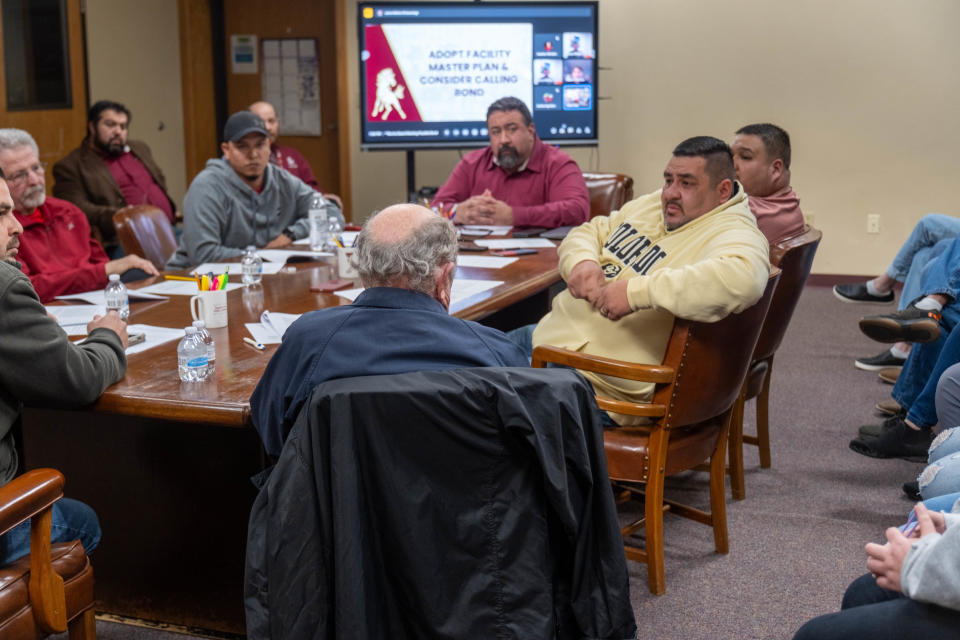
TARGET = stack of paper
x,y
74,318
461,290
271,327
515,243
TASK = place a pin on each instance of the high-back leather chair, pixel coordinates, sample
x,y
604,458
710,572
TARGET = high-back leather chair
x,y
696,386
146,231
608,191
794,256
51,589
466,503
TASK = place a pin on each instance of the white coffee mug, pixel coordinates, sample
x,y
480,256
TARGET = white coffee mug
x,y
211,307
345,262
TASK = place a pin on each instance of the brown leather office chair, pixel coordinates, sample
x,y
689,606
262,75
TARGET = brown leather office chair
x,y
51,589
696,386
608,192
146,231
794,256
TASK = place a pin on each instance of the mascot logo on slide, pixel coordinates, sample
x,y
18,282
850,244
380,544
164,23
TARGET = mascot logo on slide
x,y
389,94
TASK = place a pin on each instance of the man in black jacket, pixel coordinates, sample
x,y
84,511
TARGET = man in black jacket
x,y
39,366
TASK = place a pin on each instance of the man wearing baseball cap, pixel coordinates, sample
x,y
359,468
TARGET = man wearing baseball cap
x,y
241,199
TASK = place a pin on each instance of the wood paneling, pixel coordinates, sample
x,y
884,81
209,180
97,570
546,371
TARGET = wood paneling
x,y
197,82
57,131
294,19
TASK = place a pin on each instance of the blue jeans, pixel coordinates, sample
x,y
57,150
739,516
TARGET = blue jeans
x,y
523,338
871,612
942,273
72,520
942,474
918,250
916,387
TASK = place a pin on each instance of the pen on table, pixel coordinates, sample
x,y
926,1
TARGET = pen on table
x,y
253,343
515,252
187,278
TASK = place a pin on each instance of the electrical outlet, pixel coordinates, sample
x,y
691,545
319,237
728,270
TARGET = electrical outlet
x,y
873,223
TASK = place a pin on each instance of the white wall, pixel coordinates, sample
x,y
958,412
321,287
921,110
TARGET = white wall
x,y
133,57
867,89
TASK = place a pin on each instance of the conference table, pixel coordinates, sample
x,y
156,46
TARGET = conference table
x,y
167,465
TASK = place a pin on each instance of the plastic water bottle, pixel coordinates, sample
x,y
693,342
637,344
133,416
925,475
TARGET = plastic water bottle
x,y
211,345
252,266
317,215
335,224
117,298
192,357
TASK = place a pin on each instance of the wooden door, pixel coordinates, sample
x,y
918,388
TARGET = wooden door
x,y
58,130
292,19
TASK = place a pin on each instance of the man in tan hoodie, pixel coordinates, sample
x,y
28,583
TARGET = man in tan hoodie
x,y
691,249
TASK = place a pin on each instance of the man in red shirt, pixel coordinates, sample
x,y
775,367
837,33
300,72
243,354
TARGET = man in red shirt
x,y
287,157
56,250
108,172
518,180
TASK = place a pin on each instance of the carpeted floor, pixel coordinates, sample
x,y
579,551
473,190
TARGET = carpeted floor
x,y
797,540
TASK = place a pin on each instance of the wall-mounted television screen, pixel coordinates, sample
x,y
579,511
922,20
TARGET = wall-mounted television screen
x,y
429,70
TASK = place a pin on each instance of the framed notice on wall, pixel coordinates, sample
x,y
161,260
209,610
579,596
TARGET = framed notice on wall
x,y
291,83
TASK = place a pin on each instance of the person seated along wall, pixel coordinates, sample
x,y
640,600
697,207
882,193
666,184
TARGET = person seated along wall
x,y
406,256
241,199
761,156
691,250
108,172
930,238
39,366
56,249
912,590
518,179
928,321
287,157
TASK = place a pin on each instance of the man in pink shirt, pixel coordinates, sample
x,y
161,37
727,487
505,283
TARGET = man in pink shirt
x,y
517,180
287,157
761,155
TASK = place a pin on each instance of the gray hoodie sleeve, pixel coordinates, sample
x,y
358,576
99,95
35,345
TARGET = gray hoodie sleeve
x,y
929,572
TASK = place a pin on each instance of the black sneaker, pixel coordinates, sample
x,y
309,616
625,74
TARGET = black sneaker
x,y
909,325
874,430
858,293
912,489
882,360
897,441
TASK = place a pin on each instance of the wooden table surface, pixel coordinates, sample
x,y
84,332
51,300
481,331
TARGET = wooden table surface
x,y
167,469
152,387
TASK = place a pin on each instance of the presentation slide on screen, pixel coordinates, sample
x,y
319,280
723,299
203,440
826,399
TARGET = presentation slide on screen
x,y
438,73
430,70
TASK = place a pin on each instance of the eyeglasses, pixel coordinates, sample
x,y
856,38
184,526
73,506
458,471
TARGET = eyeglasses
x,y
20,176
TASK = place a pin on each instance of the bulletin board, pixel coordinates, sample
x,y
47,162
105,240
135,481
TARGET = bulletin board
x,y
290,81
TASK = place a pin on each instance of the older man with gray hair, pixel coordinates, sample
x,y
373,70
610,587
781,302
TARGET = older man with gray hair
x,y
57,251
406,256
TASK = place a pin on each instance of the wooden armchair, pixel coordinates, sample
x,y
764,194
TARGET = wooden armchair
x,y
794,256
51,589
608,192
146,231
696,386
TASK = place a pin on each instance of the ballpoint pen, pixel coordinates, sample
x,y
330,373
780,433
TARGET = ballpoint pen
x,y
253,343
